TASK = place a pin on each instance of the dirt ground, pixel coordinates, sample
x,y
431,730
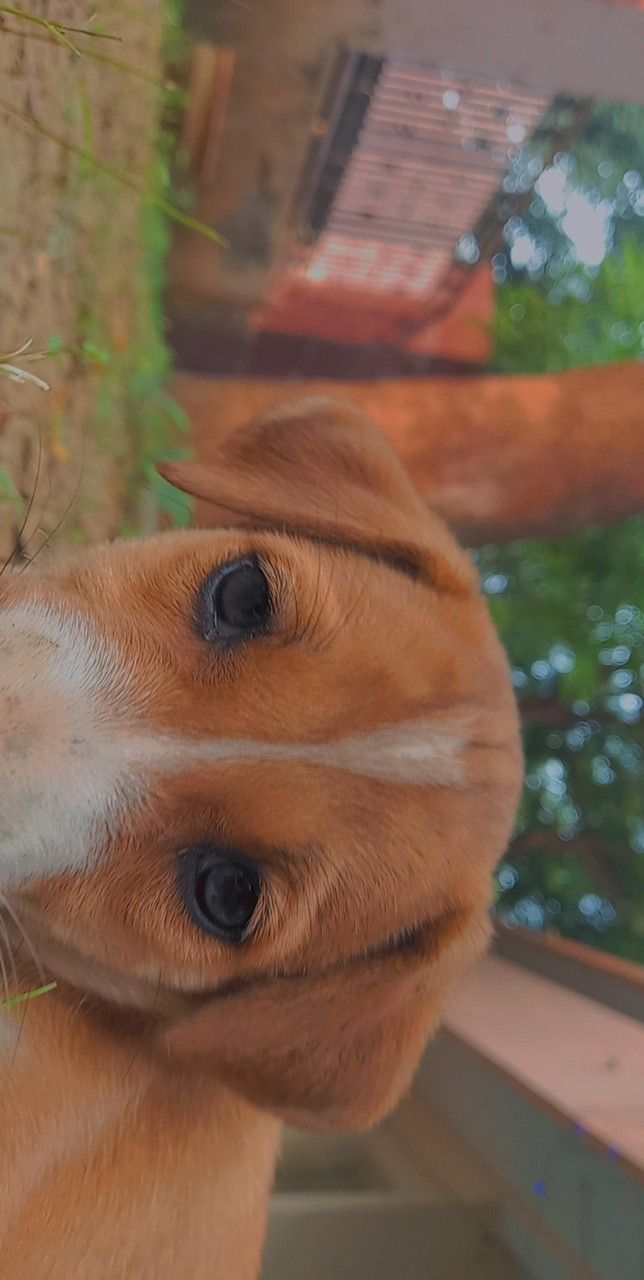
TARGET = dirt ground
x,y
75,265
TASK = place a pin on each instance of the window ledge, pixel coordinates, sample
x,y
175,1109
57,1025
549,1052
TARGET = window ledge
x,y
573,1057
607,978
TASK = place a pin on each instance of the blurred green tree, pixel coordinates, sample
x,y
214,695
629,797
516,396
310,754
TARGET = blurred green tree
x,y
585,201
571,613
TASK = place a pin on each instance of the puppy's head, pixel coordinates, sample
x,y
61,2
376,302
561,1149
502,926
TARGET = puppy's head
x,y
264,770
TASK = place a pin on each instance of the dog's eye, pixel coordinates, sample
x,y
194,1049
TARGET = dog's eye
x,y
221,889
237,601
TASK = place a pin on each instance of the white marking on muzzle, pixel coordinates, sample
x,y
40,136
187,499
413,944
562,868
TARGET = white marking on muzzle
x,y
72,766
413,753
63,777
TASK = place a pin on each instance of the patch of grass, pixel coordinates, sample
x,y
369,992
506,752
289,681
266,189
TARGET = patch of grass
x,y
159,420
103,241
143,370
90,161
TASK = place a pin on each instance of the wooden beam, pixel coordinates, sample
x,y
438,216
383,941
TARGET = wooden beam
x,y
500,457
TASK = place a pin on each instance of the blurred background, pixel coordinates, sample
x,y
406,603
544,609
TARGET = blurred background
x,y
437,211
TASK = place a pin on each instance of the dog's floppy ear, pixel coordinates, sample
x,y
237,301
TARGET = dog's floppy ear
x,y
338,1050
323,469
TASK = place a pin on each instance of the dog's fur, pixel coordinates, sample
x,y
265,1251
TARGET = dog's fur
x,y
367,754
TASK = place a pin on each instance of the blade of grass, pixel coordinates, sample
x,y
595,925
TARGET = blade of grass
x,y
19,351
159,82
87,119
14,373
113,171
29,995
53,28
58,30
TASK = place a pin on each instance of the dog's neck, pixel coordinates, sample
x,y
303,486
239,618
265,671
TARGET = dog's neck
x,y
110,1152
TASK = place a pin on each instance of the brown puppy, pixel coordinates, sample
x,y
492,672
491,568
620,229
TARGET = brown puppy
x,y
255,782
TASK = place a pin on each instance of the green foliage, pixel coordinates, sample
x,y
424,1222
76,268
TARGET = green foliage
x,y
570,610
592,319
610,145
570,614
603,166
135,374
157,419
122,355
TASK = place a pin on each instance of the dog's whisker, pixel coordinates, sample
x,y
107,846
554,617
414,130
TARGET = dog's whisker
x,y
19,536
10,953
4,973
59,523
5,905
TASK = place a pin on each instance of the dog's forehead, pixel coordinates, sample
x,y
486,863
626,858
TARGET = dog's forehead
x,y
201,550
150,587
367,643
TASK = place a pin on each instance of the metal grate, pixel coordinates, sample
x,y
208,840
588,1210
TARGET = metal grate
x,y
431,153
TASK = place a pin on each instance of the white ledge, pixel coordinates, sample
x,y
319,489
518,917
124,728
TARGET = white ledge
x,y
579,1060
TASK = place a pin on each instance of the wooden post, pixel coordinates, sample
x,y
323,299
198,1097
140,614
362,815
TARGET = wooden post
x,y
500,457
